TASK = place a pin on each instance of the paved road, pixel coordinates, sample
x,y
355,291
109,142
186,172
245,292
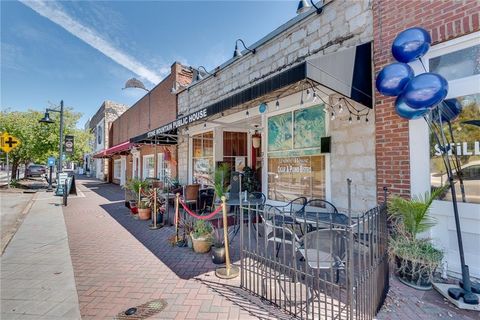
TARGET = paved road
x,y
37,280
12,211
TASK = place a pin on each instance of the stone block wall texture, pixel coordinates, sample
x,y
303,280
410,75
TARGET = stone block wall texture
x,y
343,23
108,112
444,20
147,115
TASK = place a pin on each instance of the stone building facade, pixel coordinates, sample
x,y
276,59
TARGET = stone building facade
x,y
99,125
341,25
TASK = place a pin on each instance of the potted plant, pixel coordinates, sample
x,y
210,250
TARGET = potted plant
x,y
134,186
144,210
415,259
250,182
202,236
188,225
218,247
220,178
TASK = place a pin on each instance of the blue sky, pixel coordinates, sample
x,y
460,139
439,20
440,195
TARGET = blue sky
x,y
83,52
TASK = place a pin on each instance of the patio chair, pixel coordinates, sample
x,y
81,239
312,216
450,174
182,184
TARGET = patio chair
x,y
290,210
190,194
276,231
318,213
325,249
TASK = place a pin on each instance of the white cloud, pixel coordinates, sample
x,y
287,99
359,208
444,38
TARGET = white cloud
x,y
56,14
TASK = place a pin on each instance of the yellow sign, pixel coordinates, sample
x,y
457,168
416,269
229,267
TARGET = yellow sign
x,y
8,142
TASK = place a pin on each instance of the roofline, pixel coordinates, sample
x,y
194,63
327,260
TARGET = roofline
x,y
287,25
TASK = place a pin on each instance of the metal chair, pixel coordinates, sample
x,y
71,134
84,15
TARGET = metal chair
x,y
290,210
319,211
325,249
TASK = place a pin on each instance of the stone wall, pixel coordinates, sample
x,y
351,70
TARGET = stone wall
x,y
343,23
353,157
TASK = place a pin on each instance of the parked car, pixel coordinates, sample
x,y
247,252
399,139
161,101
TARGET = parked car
x,y
35,170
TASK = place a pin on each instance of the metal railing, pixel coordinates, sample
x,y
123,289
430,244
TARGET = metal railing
x,y
315,264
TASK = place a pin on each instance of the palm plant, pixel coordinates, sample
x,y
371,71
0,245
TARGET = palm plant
x,y
414,213
220,176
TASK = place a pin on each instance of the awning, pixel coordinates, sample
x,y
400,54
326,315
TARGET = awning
x,y
159,138
118,149
348,72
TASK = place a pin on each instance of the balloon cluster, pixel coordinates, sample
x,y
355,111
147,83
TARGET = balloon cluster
x,y
416,95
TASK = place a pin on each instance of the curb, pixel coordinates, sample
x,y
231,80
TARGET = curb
x,y
19,221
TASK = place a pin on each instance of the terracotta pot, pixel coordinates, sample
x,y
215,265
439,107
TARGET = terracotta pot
x,y
201,244
144,214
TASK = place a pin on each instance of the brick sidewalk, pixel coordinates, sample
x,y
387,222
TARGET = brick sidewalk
x,y
114,271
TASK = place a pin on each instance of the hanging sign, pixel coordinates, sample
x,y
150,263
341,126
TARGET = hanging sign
x,y
69,143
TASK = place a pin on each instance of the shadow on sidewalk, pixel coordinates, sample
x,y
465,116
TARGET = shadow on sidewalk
x,y
183,261
111,192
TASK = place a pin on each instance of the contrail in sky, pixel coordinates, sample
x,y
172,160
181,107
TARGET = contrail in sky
x,y
56,14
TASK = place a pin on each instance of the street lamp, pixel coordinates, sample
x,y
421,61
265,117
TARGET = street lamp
x,y
46,119
137,84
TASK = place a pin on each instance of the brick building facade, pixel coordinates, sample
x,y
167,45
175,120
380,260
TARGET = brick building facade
x,y
444,20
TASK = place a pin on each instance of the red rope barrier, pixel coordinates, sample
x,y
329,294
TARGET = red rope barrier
x,y
193,214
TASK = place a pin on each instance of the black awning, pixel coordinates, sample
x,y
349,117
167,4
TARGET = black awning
x,y
167,138
348,72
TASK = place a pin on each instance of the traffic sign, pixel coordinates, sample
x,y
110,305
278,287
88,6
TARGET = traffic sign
x,y
69,141
51,161
8,142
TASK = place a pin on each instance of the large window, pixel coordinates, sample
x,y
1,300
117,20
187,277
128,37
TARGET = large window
x,y
202,147
295,165
117,169
148,166
460,65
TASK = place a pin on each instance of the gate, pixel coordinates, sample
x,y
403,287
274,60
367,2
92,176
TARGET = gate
x,y
315,264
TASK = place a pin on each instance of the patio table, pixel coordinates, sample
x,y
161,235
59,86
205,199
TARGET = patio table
x,y
311,218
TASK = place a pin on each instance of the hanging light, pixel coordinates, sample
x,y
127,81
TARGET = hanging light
x,y
350,120
277,105
366,119
333,116
205,125
303,6
237,52
256,141
314,96
247,114
358,118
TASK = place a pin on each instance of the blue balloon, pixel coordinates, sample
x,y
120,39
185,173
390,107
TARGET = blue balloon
x,y
450,109
263,107
393,78
405,111
425,90
411,44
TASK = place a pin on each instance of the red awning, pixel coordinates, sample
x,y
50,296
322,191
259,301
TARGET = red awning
x,y
119,148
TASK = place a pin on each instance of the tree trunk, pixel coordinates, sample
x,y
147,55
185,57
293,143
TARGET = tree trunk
x,y
14,167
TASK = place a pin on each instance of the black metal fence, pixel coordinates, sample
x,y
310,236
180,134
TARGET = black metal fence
x,y
314,262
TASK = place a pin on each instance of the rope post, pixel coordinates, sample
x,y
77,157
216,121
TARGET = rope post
x,y
229,271
177,199
154,224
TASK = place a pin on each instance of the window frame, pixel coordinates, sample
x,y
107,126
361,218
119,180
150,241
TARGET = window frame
x,y
117,172
144,162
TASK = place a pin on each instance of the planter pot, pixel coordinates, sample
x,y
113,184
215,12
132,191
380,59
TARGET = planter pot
x,y
218,255
201,244
144,214
132,205
413,278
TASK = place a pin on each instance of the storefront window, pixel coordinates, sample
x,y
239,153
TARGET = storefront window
x,y
148,166
117,165
295,166
202,145
462,68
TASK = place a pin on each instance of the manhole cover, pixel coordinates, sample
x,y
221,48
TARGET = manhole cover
x,y
145,310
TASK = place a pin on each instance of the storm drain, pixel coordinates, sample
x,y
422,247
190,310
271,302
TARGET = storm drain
x,y
143,311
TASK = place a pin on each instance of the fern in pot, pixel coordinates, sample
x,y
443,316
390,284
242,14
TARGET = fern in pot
x,y
415,259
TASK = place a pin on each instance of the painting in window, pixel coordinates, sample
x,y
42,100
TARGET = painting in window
x,y
309,127
280,135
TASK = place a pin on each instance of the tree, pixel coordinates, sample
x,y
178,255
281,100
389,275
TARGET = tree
x,y
40,141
